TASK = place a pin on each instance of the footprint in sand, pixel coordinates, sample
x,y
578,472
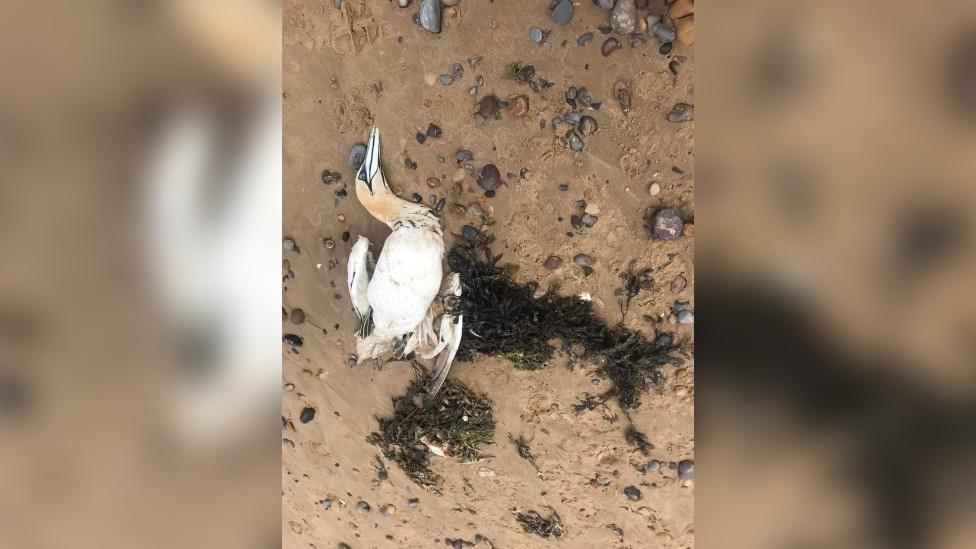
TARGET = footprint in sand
x,y
354,27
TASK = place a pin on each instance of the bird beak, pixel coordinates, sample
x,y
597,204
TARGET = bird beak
x,y
371,165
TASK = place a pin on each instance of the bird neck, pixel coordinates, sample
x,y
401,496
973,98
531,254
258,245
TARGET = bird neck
x,y
397,212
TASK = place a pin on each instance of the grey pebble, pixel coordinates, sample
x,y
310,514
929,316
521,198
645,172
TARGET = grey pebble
x,y
663,32
678,283
362,508
606,5
553,263
583,260
297,316
588,220
686,317
430,15
445,79
584,39
457,70
413,502
623,17
326,504
686,469
536,35
574,141
337,3
654,465
666,225
463,155
681,112
356,156
473,90
288,244
632,492
562,12
573,118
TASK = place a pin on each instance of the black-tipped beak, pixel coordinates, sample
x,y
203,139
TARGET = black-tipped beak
x,y
371,164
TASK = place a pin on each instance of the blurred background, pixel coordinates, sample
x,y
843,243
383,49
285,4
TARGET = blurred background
x,y
140,213
836,386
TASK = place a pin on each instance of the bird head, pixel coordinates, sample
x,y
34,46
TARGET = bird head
x,y
373,191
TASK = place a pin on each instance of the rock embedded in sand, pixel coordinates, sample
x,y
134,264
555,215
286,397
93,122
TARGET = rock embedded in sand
x,y
553,262
488,105
434,131
536,35
654,189
666,225
605,5
583,260
293,340
525,73
470,233
587,126
445,79
518,106
562,12
308,414
362,508
356,156
584,39
288,244
574,141
463,155
430,15
666,48
610,46
663,32
678,283
329,177
685,317
297,316
686,469
686,30
623,17
388,510
633,493
681,112
490,178
622,95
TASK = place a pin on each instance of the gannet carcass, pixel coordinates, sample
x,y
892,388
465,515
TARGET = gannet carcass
x,y
399,303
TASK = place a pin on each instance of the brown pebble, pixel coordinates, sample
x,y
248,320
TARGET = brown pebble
x,y
433,182
678,283
297,316
490,178
689,229
487,106
518,106
553,263
685,28
610,46
682,112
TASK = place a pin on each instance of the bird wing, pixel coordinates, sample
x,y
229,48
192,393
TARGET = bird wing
x,y
357,272
449,339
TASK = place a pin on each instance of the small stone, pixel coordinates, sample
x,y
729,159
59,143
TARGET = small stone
x,y
490,178
463,155
686,469
297,316
574,141
605,5
654,465
330,177
632,493
417,199
666,48
362,508
457,70
576,221
663,32
686,317
525,73
445,79
328,243
344,546
434,131
289,387
562,12
326,504
680,391
421,138
476,210
293,340
518,107
403,3
587,125
666,224
430,15
623,17
563,187
584,39
654,189
388,510
413,502
473,90
485,472
689,229
308,414
573,118
583,260
288,244
490,194
345,236
610,46
681,112
553,262
673,67
571,93
470,233
440,205
536,35
433,182
592,208
678,283
487,106
686,30
681,8
356,156
622,95
588,220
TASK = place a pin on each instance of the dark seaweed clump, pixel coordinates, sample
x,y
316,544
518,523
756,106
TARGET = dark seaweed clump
x,y
534,523
457,419
503,318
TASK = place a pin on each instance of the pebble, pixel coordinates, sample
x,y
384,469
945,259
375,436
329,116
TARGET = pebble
x,y
330,177
308,414
288,244
623,17
563,187
681,8
554,262
574,141
654,465
686,469
457,70
666,48
678,283
606,5
518,107
463,155
433,182
576,221
663,32
417,198
434,131
689,229
388,510
293,340
650,21
490,178
356,156
440,205
297,316
421,138
571,93
632,493
459,175
587,125
403,3
362,508
686,317
413,502
583,260
655,189
488,105
588,220
345,236
430,15
470,233
326,504
328,243
573,118
682,112
445,79
562,12
473,90
667,225
673,67
476,210
584,39
536,35
525,73
485,472
622,95
686,30
610,46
